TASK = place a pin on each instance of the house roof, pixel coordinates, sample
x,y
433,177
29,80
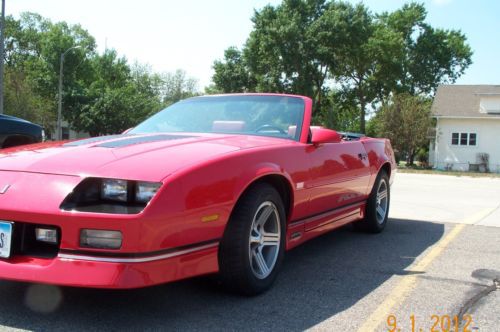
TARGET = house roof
x,y
462,101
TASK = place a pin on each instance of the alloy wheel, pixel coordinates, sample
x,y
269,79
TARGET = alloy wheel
x,y
382,201
265,239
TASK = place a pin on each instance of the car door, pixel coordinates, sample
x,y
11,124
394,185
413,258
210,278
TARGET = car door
x,y
340,174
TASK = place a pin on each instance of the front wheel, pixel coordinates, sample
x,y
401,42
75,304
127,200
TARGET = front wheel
x,y
253,245
377,206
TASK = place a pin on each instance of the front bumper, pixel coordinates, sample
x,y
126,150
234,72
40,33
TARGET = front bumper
x,y
109,272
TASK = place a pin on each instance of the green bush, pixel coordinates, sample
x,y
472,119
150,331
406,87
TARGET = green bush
x,y
422,157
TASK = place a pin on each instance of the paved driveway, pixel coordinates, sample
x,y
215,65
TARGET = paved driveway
x,y
436,257
442,198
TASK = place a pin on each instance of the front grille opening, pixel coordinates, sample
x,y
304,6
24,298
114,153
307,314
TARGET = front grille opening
x,y
24,241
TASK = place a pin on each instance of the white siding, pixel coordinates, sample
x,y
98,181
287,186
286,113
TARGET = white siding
x,y
72,134
458,157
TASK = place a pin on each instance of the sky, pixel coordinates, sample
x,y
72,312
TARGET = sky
x,y
191,34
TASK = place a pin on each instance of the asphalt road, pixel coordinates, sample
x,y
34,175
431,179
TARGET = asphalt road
x,y
439,255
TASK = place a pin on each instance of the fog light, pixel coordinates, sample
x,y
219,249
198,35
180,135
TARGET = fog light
x,y
100,239
48,235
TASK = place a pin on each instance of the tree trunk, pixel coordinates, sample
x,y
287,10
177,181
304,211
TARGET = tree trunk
x,y
411,158
362,103
362,113
317,109
319,92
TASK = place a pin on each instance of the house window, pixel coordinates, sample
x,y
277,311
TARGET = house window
x,y
472,139
464,139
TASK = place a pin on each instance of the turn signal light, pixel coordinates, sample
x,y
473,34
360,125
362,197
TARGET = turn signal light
x,y
100,239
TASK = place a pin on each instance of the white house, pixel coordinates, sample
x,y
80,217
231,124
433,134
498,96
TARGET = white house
x,y
467,134
67,133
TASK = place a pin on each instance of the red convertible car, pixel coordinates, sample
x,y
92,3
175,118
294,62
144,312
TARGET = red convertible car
x,y
215,184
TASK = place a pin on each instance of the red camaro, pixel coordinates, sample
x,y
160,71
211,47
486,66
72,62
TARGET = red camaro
x,y
211,184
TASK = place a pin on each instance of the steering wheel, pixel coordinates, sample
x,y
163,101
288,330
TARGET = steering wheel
x,y
268,126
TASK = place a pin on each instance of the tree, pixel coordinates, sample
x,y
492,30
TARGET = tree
x,y
213,89
232,75
312,47
119,97
279,55
33,48
430,56
21,101
405,120
342,35
339,111
102,94
280,51
102,106
177,86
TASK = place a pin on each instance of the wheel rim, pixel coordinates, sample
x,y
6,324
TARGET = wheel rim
x,y
382,201
265,239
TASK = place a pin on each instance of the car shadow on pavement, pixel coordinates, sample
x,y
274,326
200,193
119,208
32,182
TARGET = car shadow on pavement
x,y
319,279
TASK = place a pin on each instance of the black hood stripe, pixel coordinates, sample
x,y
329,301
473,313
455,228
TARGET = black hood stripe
x,y
92,140
132,140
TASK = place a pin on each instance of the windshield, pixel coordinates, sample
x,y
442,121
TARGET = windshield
x,y
276,116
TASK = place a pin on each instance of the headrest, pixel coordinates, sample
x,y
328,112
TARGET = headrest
x,y
228,126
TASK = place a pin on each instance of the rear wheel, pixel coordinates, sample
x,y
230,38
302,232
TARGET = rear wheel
x,y
252,248
377,206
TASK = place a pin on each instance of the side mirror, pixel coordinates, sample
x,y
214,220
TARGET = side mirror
x,y
323,135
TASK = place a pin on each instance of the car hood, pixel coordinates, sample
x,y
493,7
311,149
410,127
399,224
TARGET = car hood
x,y
135,157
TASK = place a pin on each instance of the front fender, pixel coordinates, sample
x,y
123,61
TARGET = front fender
x,y
259,171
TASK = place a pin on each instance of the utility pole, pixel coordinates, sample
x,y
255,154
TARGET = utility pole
x,y
2,55
59,103
59,99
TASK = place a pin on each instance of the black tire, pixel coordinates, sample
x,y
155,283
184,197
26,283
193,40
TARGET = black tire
x,y
373,222
239,268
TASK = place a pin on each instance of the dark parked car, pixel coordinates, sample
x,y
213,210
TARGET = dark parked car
x,y
15,131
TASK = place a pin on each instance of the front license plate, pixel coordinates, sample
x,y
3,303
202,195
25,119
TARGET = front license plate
x,y
5,237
